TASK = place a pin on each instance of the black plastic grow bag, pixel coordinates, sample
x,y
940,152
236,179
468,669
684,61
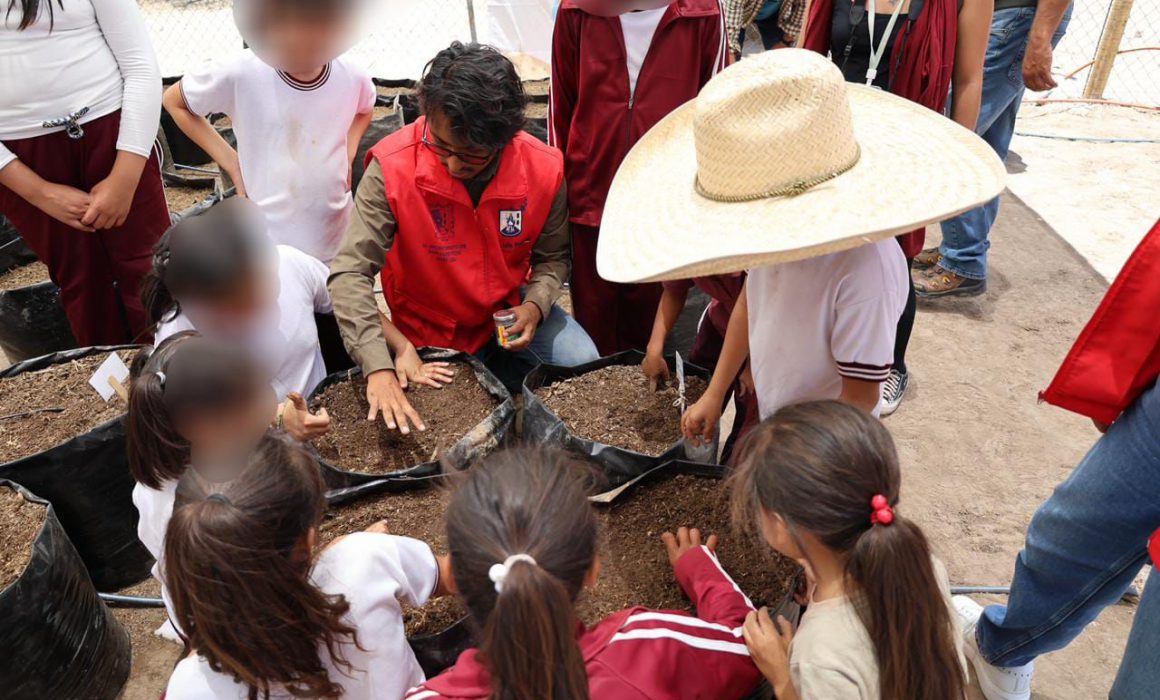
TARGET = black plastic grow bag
x,y
483,439
57,639
33,323
377,131
543,427
13,251
87,480
435,652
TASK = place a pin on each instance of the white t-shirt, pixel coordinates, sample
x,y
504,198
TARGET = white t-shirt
x,y
832,657
286,340
154,509
89,53
814,321
292,141
374,572
638,29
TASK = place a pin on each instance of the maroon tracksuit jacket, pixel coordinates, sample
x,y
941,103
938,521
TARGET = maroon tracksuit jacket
x,y
641,654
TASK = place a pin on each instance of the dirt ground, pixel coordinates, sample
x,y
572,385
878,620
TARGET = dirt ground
x,y
979,453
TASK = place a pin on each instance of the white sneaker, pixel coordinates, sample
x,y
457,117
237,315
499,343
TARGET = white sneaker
x,y
996,682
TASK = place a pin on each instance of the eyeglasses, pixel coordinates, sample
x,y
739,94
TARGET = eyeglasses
x,y
444,152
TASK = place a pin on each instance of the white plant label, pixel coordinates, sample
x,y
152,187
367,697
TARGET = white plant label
x,y
111,373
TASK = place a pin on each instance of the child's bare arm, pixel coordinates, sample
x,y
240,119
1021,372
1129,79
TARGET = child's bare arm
x,y
358,129
201,132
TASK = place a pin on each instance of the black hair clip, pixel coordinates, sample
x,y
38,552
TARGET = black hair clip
x,y
218,498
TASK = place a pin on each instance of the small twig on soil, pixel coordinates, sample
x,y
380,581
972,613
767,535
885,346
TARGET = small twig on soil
x,y
25,414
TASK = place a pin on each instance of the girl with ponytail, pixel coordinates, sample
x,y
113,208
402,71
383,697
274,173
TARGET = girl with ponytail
x,y
194,404
821,481
522,538
264,615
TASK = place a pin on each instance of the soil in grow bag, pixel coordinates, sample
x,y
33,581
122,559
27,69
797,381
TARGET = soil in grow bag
x,y
153,657
417,514
24,276
20,522
615,406
182,198
64,386
358,445
636,569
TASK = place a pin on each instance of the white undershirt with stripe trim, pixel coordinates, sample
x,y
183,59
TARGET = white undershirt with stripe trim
x,y
814,321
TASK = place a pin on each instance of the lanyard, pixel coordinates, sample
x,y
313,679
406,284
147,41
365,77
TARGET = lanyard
x,y
876,54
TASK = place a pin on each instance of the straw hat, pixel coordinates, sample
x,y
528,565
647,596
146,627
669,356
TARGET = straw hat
x,y
779,159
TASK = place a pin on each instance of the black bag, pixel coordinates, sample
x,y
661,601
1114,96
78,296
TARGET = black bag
x,y
58,640
543,427
482,440
32,322
378,130
87,480
13,251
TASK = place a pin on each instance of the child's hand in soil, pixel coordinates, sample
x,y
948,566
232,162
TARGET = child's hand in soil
x,y
411,369
385,395
685,539
446,580
299,423
379,528
699,424
656,369
768,644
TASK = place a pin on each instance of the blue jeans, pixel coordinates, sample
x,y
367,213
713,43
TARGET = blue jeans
x,y
1138,678
559,340
965,244
1084,546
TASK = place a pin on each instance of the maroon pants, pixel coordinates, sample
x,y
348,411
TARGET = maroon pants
x,y
99,274
617,316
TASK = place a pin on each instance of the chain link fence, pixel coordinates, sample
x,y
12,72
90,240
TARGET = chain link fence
x,y
1111,52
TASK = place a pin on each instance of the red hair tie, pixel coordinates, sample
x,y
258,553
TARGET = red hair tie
x,y
880,511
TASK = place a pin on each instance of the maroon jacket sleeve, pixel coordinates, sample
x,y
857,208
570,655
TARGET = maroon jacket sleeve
x,y
717,597
565,80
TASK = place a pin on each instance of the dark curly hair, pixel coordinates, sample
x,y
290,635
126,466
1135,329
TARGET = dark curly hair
x,y
479,92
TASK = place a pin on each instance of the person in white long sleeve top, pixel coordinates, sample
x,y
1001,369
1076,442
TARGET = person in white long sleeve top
x,y
264,613
79,111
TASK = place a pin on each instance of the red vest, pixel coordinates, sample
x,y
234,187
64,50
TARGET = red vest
x,y
454,264
1117,356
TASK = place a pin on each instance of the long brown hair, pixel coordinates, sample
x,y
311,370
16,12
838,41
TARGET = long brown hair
x,y
533,503
186,375
30,10
818,465
237,569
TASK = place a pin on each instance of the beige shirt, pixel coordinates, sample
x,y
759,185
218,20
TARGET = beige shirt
x,y
832,657
371,233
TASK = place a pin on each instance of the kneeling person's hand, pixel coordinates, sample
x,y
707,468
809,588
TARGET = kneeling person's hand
x,y
528,319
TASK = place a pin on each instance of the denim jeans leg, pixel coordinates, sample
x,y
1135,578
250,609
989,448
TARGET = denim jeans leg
x,y
560,340
1139,674
1085,544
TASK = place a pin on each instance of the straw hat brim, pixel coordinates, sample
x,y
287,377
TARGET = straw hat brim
x,y
916,167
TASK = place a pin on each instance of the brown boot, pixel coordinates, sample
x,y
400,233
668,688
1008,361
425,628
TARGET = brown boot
x,y
927,258
936,282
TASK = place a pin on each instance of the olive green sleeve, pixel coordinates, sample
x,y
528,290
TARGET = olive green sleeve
x,y
551,256
369,235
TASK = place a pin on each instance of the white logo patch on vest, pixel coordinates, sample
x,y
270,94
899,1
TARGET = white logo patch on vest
x,y
511,222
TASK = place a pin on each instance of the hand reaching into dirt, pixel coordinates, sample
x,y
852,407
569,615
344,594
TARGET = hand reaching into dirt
x,y
685,539
385,395
410,369
528,318
768,644
699,424
299,423
656,369
446,580
379,528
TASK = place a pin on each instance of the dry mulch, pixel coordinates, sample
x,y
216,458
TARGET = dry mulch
x,y
417,514
61,386
615,406
636,569
153,657
20,523
358,445
24,276
182,198
536,110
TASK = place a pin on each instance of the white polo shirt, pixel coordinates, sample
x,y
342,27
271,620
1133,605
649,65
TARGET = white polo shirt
x,y
292,141
376,573
814,321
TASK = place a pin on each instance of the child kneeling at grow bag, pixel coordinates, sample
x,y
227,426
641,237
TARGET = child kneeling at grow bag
x,y
193,400
217,273
523,537
263,615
